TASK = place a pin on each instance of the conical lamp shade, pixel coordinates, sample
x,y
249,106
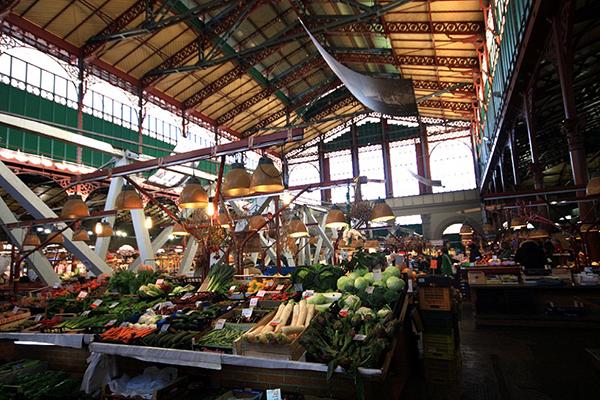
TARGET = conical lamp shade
x,y
593,186
335,219
256,223
297,229
266,177
103,229
75,208
179,230
129,199
381,212
236,182
517,223
465,230
193,195
80,235
372,244
55,238
31,240
539,233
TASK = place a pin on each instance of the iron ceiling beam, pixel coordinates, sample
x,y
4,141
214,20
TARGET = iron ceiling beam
x,y
151,25
383,57
260,142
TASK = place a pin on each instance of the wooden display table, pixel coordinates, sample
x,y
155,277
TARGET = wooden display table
x,y
534,305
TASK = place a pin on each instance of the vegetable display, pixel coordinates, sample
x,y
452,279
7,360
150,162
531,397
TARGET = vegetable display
x,y
222,338
287,323
128,282
170,340
318,277
219,278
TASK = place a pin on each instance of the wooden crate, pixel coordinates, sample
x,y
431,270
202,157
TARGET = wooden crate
x,y
11,318
476,277
435,298
290,351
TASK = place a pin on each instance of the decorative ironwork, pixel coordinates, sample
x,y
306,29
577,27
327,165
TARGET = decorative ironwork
x,y
117,25
265,93
437,86
453,62
455,106
344,102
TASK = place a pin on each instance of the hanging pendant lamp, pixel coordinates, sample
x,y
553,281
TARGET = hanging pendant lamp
x,y
256,222
103,229
74,208
80,235
236,181
266,177
593,186
297,229
517,223
193,195
31,240
335,219
129,199
381,212
55,238
179,230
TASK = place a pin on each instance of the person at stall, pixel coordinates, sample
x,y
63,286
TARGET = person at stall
x,y
445,262
505,251
474,253
530,255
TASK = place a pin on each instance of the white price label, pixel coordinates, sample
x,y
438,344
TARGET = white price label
x,y
82,295
308,293
38,318
220,323
186,296
85,313
410,286
159,281
113,304
15,310
279,287
359,337
164,328
198,303
369,289
246,271
298,287
111,322
247,312
56,285
377,276
254,302
96,303
274,394
261,293
232,288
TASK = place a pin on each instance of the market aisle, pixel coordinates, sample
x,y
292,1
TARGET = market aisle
x,y
515,364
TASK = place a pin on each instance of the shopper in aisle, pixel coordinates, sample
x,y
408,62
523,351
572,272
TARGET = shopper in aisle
x,y
530,255
446,262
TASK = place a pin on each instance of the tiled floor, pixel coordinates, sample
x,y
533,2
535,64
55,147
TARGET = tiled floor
x,y
516,363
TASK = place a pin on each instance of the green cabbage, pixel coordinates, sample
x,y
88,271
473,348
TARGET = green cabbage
x,y
361,283
369,277
345,283
353,275
392,271
322,307
361,271
318,298
394,283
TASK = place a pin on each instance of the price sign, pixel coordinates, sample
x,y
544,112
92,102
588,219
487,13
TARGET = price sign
x,y
82,295
246,271
308,293
410,286
344,312
232,289
15,310
433,264
274,394
220,323
274,322
377,275
56,285
261,293
38,318
96,303
298,287
369,289
359,338
111,322
247,312
198,303
164,328
187,296
114,304
254,302
279,288
85,313
160,281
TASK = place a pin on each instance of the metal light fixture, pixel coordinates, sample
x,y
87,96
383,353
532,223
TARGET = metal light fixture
x,y
297,229
266,178
31,240
55,237
74,208
539,233
103,229
80,235
210,208
236,181
179,230
465,230
593,186
193,195
381,212
335,219
129,199
148,223
517,223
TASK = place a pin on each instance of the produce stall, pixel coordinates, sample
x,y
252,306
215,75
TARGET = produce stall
x,y
340,330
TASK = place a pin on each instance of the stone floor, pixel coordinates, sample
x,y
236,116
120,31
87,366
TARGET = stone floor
x,y
520,363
